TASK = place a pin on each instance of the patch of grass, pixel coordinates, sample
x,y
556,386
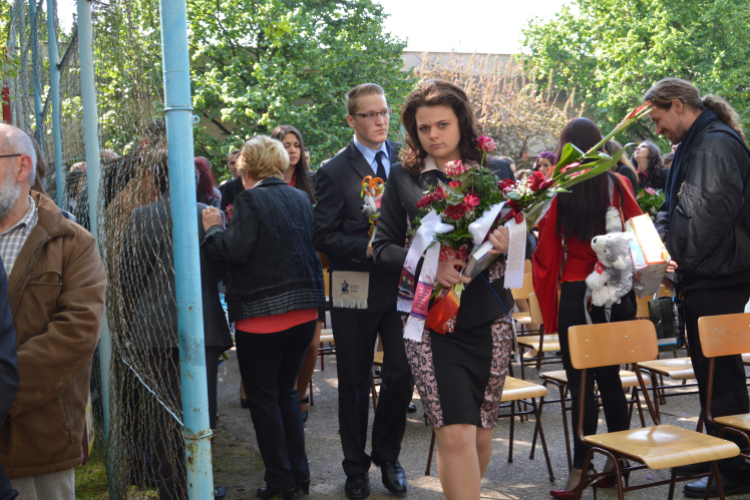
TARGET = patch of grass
x,y
91,479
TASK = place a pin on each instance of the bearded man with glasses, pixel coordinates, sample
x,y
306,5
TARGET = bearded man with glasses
x,y
363,297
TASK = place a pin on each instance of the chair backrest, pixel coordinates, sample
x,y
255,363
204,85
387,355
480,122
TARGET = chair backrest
x,y
526,289
642,312
606,344
724,335
535,310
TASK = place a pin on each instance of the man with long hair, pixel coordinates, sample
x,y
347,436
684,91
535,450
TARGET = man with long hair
x,y
704,223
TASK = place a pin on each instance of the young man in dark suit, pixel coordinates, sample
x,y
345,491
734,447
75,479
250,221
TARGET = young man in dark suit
x,y
363,297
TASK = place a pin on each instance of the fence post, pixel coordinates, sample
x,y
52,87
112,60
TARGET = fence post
x,y
93,174
36,76
54,85
179,119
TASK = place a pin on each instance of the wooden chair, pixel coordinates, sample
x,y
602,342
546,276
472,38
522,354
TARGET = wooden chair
x,y
541,343
746,359
656,447
521,391
679,369
523,318
726,335
559,379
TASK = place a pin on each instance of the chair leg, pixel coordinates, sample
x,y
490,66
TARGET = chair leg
x,y
584,476
429,455
520,357
512,423
715,468
672,484
322,359
640,408
563,397
310,392
538,414
374,391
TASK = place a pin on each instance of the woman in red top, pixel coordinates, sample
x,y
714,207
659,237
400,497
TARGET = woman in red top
x,y
573,220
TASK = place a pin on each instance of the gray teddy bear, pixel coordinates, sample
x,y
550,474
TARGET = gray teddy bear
x,y
613,277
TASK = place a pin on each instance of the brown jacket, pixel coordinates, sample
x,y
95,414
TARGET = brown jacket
x,y
56,289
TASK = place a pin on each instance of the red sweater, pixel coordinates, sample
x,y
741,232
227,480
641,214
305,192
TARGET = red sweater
x,y
580,261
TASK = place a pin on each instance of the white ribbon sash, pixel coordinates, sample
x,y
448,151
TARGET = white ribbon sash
x,y
415,300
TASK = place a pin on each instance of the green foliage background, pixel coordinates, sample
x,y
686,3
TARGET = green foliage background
x,y
612,51
260,64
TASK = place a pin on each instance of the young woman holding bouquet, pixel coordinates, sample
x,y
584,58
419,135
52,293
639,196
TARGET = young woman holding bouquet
x,y
573,220
460,375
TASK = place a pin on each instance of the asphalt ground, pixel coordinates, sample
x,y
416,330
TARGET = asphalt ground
x,y
238,466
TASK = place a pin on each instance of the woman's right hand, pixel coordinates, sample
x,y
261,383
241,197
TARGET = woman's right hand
x,y
447,274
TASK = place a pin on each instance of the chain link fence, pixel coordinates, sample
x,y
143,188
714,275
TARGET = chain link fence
x,y
145,451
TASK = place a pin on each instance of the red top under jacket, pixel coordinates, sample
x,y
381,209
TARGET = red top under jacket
x,y
580,261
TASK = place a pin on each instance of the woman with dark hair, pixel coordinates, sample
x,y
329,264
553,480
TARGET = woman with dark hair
x,y
651,172
298,174
207,193
460,375
544,163
623,167
565,234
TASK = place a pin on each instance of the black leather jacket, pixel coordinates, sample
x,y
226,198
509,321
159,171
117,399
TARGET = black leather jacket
x,y
709,231
273,267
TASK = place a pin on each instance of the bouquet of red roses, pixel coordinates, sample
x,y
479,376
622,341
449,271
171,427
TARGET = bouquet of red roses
x,y
456,219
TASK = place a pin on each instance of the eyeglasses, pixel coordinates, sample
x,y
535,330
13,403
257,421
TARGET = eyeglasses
x,y
11,156
371,116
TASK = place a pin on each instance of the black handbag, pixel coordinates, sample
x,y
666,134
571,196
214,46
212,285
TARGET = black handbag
x,y
664,313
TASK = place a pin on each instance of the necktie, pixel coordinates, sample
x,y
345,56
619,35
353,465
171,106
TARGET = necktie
x,y
381,168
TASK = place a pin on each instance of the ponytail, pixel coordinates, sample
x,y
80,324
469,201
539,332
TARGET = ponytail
x,y
724,111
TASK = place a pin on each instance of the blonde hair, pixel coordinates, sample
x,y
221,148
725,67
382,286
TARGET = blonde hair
x,y
263,157
670,89
361,91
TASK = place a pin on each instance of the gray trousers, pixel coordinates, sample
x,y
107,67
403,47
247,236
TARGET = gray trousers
x,y
54,486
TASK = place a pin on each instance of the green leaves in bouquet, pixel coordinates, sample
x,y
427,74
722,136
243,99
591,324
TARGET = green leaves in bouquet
x,y
570,154
600,166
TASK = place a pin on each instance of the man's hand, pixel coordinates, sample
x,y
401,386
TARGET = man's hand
x,y
500,239
447,274
671,266
369,250
211,217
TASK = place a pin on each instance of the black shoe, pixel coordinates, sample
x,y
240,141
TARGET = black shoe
x,y
267,494
693,469
731,487
219,492
412,408
394,478
303,487
357,486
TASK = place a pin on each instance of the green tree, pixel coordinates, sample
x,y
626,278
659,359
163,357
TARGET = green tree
x,y
612,51
260,64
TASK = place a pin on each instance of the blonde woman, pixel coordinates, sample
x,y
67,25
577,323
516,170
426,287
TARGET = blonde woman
x,y
274,290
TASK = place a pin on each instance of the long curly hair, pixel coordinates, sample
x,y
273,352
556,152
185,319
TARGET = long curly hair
x,y
302,169
438,93
653,170
206,182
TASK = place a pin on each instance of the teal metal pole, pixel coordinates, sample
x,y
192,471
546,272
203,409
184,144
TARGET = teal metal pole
x,y
36,76
54,84
179,120
93,173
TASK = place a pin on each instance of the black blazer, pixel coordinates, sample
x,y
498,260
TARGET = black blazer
x,y
273,267
151,289
229,192
340,230
479,301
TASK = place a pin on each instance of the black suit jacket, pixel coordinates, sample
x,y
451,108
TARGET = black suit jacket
x,y
340,230
151,289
